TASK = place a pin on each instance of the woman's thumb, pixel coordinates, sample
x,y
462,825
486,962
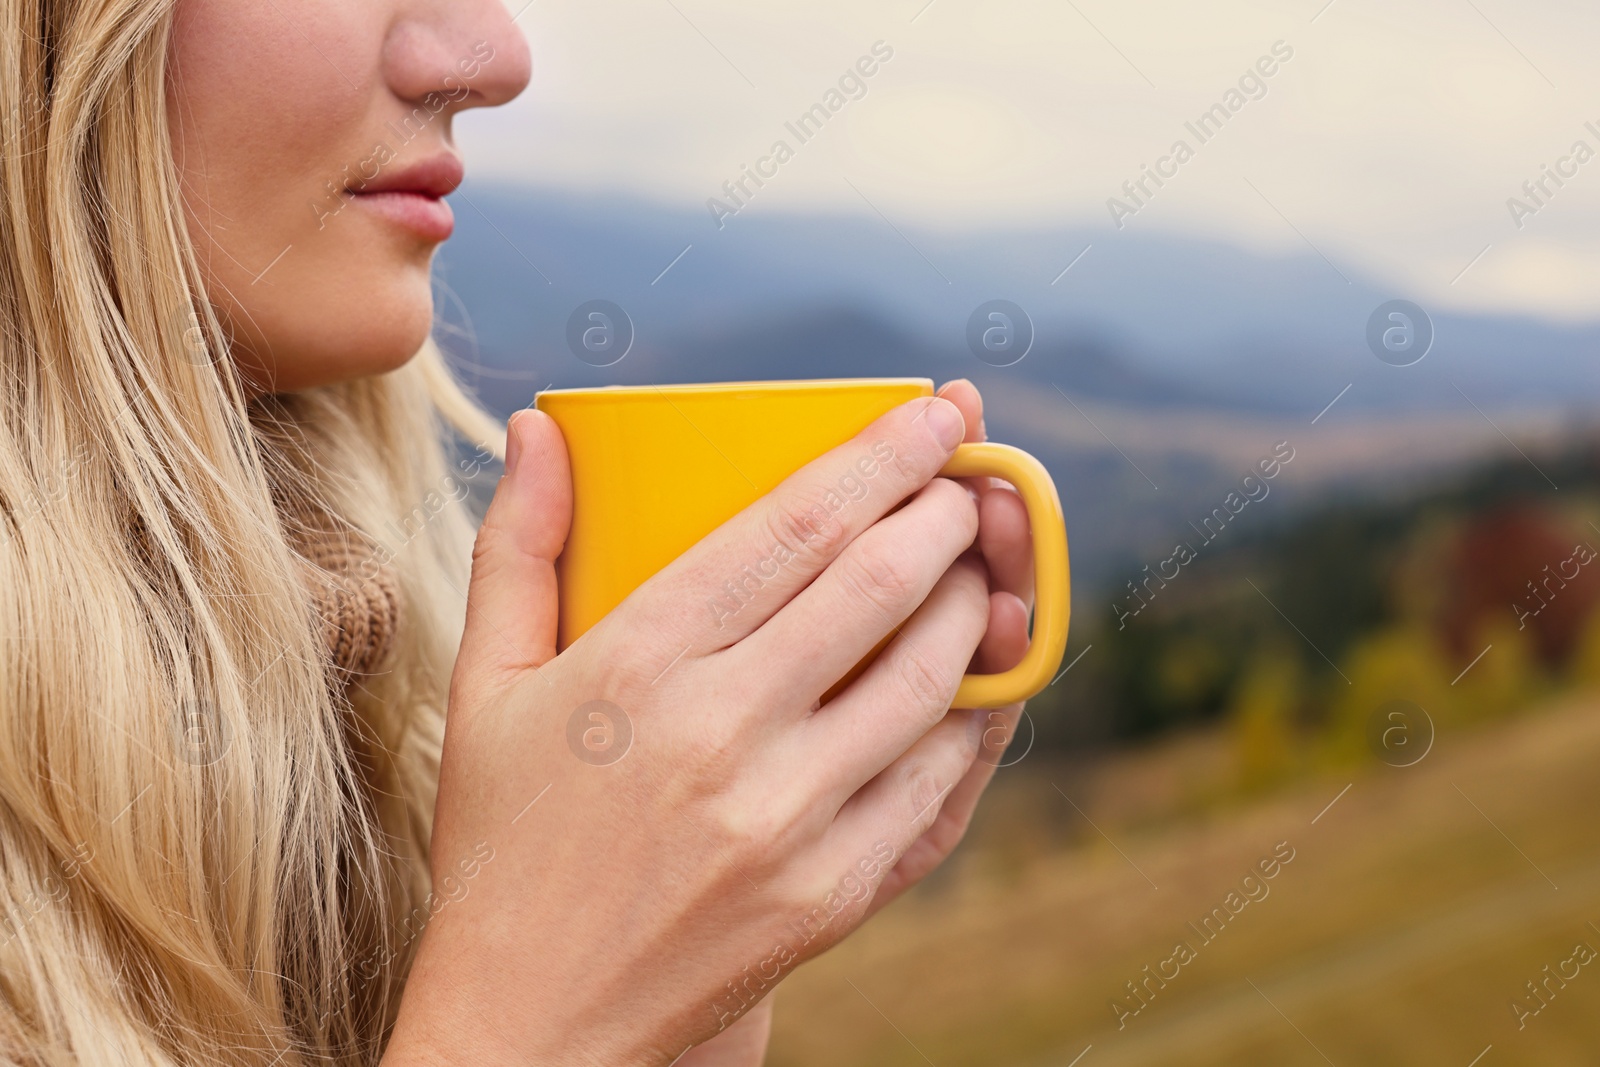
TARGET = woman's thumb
x,y
511,604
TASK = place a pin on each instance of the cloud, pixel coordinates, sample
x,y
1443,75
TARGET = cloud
x,y
1390,143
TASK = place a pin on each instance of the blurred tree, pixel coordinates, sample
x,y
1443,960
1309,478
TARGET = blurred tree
x,y
1167,671
1262,715
1507,679
1397,663
1517,563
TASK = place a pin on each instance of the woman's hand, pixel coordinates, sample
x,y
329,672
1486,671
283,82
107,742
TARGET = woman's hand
x,y
619,903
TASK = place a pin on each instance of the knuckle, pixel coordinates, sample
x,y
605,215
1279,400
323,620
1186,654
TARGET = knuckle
x,y
486,545
808,527
828,903
753,835
945,833
742,829
929,687
822,917
719,748
496,546
917,453
877,577
923,791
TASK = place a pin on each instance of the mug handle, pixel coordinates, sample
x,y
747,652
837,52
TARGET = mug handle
x,y
1051,574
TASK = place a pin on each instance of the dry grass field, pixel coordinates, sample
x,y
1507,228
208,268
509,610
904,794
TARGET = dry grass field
x,y
1415,909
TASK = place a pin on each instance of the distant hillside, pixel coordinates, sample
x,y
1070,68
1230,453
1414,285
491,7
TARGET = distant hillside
x,y
1138,318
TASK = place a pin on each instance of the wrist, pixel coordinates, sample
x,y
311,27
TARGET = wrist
x,y
445,1021
460,1009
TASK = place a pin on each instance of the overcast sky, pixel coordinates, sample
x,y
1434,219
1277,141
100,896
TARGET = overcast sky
x,y
1390,141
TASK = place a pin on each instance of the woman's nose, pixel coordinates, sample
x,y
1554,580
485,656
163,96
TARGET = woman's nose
x,y
469,51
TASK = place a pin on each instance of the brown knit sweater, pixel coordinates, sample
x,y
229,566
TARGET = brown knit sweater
x,y
355,594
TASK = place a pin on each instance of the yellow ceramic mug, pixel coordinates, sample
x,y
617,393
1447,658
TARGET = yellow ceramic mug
x,y
657,468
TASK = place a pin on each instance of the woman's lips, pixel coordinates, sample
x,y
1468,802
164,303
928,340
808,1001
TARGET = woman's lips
x,y
414,196
429,217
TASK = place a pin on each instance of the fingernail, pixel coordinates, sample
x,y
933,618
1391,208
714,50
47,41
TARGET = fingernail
x,y
948,425
513,445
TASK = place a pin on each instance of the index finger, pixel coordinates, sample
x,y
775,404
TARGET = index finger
x,y
735,579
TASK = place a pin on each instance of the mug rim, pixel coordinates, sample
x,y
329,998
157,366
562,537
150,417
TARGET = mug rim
x,y
789,385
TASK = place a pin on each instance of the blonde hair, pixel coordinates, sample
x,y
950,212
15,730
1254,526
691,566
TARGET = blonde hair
x,y
246,907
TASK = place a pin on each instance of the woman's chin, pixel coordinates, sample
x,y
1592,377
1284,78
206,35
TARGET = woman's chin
x,y
360,347
367,330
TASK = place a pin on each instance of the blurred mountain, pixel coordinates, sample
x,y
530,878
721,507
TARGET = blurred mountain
x,y
1143,319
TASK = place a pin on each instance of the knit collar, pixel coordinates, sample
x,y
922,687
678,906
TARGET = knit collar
x,y
353,590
